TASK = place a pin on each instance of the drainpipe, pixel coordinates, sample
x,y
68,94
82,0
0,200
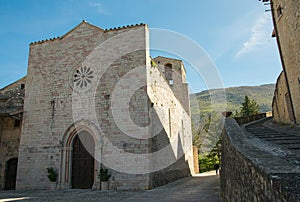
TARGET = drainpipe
x,y
282,60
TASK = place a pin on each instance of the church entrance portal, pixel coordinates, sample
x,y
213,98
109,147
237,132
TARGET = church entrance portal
x,y
83,161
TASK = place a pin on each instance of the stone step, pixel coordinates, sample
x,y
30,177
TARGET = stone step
x,y
270,138
288,141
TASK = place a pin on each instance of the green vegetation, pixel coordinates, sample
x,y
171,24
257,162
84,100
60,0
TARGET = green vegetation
x,y
153,64
207,132
249,107
52,174
103,174
263,95
207,124
207,162
206,136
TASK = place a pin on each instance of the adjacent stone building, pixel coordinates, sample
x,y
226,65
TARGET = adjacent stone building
x,y
286,103
95,98
11,109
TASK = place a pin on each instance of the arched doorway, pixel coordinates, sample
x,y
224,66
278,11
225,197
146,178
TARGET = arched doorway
x,y
83,162
11,173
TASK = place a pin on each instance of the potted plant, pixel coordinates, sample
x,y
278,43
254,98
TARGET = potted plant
x,y
104,177
52,176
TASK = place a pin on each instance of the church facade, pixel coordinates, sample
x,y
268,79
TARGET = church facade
x,y
94,98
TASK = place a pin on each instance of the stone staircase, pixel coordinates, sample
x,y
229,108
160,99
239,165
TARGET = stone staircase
x,y
285,137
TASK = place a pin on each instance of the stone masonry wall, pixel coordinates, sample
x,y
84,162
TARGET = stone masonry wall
x,y
179,86
287,18
251,118
53,103
252,170
99,81
177,159
10,124
48,103
9,144
119,147
281,106
196,160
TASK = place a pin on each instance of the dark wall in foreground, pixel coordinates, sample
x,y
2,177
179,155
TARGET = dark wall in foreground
x,y
253,171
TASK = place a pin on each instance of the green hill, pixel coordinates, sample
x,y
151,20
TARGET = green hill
x,y
263,95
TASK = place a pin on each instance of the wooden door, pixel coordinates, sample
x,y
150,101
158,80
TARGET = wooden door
x,y
11,174
83,162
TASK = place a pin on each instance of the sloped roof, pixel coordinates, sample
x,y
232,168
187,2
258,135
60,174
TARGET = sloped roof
x,y
85,22
11,111
167,58
5,87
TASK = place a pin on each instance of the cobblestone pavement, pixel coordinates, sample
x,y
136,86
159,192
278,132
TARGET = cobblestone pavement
x,y
203,187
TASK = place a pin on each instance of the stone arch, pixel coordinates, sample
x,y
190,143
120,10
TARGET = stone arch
x,y
67,148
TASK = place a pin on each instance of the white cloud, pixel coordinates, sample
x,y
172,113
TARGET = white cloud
x,y
260,36
98,7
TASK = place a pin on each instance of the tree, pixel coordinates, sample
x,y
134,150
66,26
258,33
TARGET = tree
x,y
249,107
207,132
206,136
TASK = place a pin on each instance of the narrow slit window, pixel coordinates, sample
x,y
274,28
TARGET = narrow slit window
x,y
279,11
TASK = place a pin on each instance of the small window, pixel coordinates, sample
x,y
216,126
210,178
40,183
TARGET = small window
x,y
171,82
168,71
22,86
279,11
17,123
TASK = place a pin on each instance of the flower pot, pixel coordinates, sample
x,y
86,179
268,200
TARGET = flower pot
x,y
104,185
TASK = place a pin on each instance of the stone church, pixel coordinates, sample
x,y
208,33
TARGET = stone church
x,y
93,98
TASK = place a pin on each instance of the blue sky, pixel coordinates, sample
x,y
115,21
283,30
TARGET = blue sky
x,y
236,34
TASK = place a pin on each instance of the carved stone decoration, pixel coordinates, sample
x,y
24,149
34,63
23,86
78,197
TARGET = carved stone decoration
x,y
82,77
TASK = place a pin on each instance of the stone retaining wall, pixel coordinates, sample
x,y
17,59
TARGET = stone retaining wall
x,y
253,170
248,119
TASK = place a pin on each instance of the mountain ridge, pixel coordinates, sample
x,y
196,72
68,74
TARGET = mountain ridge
x,y
262,94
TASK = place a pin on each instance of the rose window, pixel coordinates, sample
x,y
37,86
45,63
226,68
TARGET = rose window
x,y
83,76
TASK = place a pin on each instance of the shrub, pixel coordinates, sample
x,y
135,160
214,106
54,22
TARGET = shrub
x,y
103,174
52,174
